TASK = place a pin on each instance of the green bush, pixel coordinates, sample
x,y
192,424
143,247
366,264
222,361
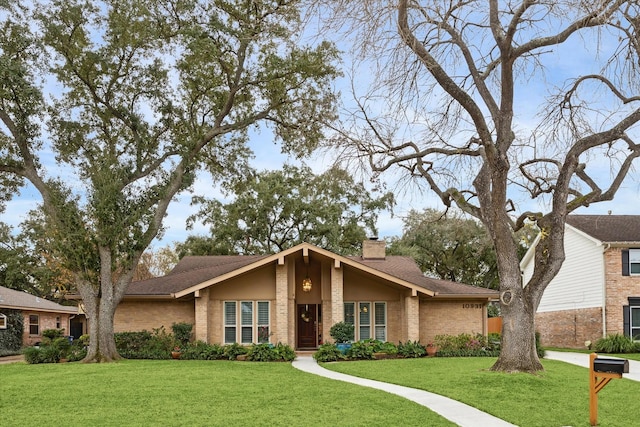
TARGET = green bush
x,y
232,351
328,353
616,343
361,350
182,333
200,350
262,353
50,351
411,349
285,352
342,332
145,345
32,355
52,334
11,338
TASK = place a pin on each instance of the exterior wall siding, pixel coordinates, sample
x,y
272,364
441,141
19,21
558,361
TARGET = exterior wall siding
x,y
579,283
569,328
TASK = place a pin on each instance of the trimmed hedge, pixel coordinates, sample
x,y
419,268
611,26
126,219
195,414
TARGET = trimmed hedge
x,y
11,338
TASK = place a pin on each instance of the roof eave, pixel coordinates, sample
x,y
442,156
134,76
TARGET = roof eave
x,y
73,310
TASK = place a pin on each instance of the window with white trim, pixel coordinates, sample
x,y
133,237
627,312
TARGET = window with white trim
x,y
380,318
371,319
246,322
634,261
635,323
3,321
364,320
34,324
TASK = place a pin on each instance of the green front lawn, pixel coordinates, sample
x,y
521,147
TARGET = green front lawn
x,y
193,393
557,397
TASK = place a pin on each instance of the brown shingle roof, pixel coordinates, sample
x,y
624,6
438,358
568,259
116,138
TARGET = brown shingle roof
x,y
191,271
405,268
608,228
19,300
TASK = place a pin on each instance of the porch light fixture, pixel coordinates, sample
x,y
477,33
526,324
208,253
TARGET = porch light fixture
x,y
306,284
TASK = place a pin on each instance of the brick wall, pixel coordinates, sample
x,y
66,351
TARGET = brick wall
x,y
451,318
618,289
147,315
569,328
46,321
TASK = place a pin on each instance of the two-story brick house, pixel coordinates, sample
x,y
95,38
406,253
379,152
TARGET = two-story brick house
x,y
295,296
597,291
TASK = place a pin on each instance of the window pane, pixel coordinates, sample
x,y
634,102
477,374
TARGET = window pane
x,y
247,312
349,312
381,321
635,317
263,312
365,332
247,335
34,321
229,334
230,313
365,314
381,313
634,268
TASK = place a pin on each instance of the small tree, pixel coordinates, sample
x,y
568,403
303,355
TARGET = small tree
x,y
342,332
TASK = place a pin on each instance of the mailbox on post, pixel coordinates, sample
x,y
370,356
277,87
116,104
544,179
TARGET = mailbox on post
x,y
616,366
601,371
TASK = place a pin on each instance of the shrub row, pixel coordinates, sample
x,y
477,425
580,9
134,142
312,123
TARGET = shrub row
x,y
368,350
56,347
617,343
462,345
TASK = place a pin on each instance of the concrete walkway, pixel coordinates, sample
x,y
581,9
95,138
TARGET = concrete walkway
x,y
456,412
12,359
582,359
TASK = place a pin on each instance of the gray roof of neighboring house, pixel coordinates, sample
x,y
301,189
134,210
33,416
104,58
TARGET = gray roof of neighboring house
x,y
608,228
19,300
191,271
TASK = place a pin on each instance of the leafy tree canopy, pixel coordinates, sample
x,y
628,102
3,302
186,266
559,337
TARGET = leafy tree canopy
x,y
275,210
110,109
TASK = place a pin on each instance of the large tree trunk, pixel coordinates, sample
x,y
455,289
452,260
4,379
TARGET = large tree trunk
x,y
100,306
100,313
518,352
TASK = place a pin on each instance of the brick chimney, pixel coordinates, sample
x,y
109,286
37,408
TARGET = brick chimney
x,y
373,248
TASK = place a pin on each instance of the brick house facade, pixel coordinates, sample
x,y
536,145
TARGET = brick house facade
x,y
38,314
596,293
248,299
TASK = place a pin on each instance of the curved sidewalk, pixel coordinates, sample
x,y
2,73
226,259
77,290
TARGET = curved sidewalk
x,y
456,412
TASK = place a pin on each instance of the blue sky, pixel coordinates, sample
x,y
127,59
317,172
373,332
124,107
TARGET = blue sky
x,y
562,64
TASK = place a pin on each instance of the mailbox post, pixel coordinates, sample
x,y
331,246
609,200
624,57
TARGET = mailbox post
x,y
601,371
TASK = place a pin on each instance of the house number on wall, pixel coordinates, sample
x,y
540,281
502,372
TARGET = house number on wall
x,y
471,305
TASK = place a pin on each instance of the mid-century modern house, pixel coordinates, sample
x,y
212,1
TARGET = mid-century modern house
x,y
597,291
295,296
38,314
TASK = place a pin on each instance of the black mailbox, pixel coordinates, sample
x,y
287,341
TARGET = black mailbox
x,y
616,366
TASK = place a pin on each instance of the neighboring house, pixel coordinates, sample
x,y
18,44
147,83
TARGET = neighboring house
x,y
295,296
597,290
38,314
